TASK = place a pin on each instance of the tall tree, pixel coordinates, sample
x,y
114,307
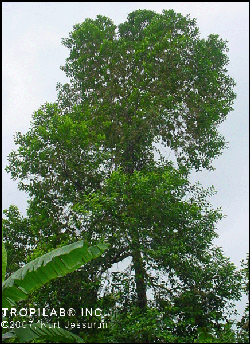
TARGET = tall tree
x,y
89,163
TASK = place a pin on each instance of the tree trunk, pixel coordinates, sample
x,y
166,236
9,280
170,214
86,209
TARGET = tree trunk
x,y
140,279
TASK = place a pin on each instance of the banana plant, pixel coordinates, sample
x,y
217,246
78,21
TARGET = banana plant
x,y
35,274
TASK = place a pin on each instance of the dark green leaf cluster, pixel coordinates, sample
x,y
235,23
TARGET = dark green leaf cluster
x,y
152,78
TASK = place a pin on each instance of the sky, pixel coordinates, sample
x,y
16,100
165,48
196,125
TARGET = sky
x,y
33,54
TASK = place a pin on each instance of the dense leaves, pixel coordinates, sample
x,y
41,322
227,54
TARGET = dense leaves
x,y
152,78
18,237
243,324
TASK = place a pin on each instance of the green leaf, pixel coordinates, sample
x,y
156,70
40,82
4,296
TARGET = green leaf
x,y
56,263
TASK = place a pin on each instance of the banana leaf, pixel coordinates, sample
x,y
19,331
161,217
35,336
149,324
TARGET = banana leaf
x,y
56,263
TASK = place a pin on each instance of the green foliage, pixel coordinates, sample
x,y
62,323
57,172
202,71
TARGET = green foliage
x,y
54,264
152,78
33,275
18,237
225,334
243,324
245,273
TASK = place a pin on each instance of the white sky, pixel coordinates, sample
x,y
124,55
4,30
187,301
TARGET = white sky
x,y
32,55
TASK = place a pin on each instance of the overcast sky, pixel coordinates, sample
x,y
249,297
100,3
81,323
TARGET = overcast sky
x,y
32,55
